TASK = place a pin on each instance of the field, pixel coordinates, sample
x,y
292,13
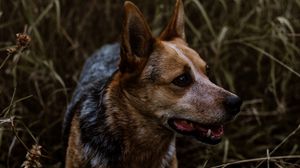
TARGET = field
x,y
252,47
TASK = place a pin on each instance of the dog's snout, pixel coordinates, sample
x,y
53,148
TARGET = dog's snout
x,y
232,104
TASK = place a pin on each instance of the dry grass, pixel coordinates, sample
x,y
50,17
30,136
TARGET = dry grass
x,y
252,47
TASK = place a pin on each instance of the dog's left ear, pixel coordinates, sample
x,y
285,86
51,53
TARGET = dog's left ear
x,y
175,28
137,40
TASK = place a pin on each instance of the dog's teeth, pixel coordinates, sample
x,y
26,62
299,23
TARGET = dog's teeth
x,y
208,133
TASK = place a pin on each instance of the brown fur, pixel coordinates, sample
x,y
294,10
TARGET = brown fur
x,y
74,151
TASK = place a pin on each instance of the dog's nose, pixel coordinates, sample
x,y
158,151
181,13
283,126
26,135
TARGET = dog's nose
x,y
232,104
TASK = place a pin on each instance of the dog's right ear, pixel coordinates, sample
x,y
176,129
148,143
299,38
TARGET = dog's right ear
x,y
137,40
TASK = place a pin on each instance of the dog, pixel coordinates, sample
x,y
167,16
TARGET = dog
x,y
134,98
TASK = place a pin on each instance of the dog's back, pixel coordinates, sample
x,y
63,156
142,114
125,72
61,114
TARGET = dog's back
x,y
97,69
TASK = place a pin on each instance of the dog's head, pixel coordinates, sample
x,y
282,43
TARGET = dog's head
x,y
166,80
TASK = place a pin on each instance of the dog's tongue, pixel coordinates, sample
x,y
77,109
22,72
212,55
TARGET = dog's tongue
x,y
183,125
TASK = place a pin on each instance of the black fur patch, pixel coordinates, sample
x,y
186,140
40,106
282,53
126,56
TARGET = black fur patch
x,y
87,103
95,133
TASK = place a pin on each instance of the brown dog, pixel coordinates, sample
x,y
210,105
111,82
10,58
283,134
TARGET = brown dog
x,y
128,116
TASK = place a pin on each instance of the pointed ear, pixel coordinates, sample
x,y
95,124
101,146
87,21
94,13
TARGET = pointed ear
x,y
175,28
137,40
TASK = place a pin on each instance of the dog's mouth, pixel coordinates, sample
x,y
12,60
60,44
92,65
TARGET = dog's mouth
x,y
210,134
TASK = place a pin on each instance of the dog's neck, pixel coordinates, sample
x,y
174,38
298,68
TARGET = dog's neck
x,y
145,141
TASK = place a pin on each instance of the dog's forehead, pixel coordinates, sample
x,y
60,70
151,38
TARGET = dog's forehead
x,y
189,56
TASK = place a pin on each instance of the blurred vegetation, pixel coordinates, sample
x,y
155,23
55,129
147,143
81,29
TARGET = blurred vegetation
x,y
252,48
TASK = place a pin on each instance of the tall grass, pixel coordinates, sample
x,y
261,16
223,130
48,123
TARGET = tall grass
x,y
251,46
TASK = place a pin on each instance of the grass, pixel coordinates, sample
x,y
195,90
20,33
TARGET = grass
x,y
251,46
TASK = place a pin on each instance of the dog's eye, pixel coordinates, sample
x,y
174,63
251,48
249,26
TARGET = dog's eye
x,y
183,80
